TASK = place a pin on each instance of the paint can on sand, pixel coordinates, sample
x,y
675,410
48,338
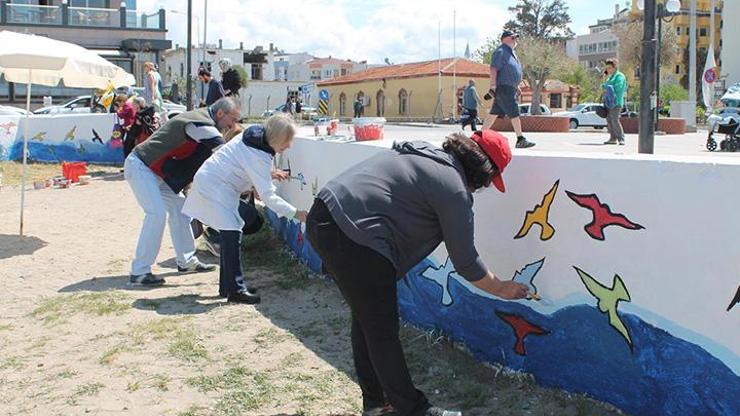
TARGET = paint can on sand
x,y
368,128
85,179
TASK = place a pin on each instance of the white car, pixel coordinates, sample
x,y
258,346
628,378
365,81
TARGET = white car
x,y
583,115
6,110
524,110
79,104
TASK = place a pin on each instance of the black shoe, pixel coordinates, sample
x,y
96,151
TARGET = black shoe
x,y
197,267
436,411
244,297
522,143
146,279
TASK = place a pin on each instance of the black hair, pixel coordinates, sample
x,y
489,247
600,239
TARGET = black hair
x,y
203,73
477,166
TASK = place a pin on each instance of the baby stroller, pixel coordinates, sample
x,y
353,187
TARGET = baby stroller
x,y
731,129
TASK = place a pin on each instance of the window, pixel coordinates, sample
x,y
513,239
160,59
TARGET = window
x,y
344,71
678,30
569,101
336,73
182,69
342,104
688,31
703,32
327,73
678,69
403,103
556,100
315,74
257,72
99,4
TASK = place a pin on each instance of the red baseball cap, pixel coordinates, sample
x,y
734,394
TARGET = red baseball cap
x,y
496,146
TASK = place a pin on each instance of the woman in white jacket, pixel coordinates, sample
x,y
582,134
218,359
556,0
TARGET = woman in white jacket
x,y
239,165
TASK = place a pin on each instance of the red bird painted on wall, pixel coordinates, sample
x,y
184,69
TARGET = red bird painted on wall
x,y
602,216
522,328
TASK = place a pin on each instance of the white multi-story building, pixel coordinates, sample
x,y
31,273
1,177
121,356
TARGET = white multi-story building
x,y
729,58
321,69
600,44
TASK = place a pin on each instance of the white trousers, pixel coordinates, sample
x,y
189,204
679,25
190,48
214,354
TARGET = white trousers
x,y
160,204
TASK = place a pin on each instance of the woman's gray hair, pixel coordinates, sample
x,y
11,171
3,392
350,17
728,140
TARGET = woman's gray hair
x,y
224,63
140,101
279,128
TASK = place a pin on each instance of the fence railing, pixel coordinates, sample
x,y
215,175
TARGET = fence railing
x,y
64,15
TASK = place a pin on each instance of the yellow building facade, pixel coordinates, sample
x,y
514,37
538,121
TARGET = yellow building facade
x,y
681,22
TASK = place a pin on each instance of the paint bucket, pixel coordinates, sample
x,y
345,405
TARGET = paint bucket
x,y
73,170
85,179
333,127
319,123
368,128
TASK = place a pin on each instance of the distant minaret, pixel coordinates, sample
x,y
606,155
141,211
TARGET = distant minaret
x,y
467,51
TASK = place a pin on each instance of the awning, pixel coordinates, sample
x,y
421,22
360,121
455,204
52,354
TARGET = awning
x,y
111,53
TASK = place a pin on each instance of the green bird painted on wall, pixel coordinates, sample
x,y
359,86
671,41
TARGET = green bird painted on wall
x,y
608,300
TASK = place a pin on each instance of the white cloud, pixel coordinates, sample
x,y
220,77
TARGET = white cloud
x,y
403,31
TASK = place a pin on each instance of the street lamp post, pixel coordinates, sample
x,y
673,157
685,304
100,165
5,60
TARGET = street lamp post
x,y
188,54
665,14
648,71
647,80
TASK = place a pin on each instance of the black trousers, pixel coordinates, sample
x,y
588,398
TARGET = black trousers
x,y
230,276
472,119
367,281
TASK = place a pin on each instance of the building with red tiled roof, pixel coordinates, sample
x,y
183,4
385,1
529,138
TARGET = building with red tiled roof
x,y
411,91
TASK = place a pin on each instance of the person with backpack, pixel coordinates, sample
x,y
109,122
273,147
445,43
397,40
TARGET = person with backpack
x,y
615,88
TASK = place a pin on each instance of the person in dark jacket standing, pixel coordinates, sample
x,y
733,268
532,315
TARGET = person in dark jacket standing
x,y
371,224
506,75
215,89
159,169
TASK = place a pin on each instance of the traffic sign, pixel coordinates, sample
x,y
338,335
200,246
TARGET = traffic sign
x,y
324,95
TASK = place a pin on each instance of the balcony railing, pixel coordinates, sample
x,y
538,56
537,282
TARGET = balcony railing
x,y
26,14
63,15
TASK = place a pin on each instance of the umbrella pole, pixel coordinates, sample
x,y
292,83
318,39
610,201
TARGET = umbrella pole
x,y
25,148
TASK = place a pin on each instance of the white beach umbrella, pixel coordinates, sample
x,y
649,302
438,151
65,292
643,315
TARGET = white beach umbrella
x,y
30,59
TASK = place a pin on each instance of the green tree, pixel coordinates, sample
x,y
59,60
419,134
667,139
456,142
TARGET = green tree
x,y
630,46
242,74
542,19
586,80
542,60
483,54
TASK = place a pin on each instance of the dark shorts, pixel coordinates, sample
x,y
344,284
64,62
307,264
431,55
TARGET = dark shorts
x,y
505,102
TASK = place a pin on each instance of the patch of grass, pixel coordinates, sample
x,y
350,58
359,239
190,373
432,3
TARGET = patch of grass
x,y
13,363
312,330
157,329
56,309
65,374
111,354
161,382
187,346
150,304
291,360
230,379
6,327
250,394
133,386
39,343
263,251
88,389
268,337
195,411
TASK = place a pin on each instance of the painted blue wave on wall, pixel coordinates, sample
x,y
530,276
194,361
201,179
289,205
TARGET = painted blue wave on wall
x,y
573,349
76,151
661,375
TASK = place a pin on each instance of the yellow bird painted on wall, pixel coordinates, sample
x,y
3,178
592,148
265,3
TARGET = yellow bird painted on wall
x,y
71,134
608,300
40,136
539,216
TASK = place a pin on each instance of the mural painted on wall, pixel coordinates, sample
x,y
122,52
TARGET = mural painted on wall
x,y
62,138
578,331
539,215
602,216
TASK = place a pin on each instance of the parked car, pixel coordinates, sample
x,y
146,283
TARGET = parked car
x,y
307,113
82,104
583,115
6,110
79,104
524,109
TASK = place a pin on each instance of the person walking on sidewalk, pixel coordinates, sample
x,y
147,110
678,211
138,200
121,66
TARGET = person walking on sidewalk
x,y
371,224
614,89
506,75
159,169
471,101
214,199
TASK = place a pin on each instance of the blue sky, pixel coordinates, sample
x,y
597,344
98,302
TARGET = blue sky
x,y
400,30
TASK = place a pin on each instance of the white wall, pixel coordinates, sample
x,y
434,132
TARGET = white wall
x,y
259,91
